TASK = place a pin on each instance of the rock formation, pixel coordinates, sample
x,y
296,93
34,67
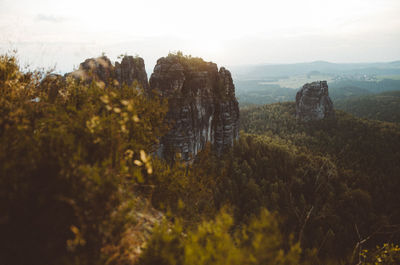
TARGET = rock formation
x,y
102,71
203,108
131,69
313,102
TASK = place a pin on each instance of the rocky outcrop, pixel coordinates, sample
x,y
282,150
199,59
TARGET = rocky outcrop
x,y
131,69
313,102
203,108
202,104
98,69
104,73
51,84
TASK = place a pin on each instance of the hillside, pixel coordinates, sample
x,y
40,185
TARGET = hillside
x,y
333,185
363,155
253,92
383,106
346,139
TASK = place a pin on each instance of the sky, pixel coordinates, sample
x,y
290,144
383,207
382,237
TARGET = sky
x,y
61,34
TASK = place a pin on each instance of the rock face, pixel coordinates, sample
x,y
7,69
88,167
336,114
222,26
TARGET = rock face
x,y
313,102
203,107
131,69
102,71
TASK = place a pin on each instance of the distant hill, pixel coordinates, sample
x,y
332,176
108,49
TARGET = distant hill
x,y
384,106
371,86
250,92
267,71
270,83
338,93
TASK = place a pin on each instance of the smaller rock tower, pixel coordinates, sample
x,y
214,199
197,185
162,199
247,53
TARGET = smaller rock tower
x,y
313,102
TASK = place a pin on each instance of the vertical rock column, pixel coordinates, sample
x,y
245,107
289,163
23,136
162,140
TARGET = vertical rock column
x,y
202,105
313,102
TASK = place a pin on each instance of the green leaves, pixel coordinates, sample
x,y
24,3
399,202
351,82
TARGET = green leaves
x,y
215,242
67,160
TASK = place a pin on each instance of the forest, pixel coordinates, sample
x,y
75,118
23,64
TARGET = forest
x,y
383,106
79,183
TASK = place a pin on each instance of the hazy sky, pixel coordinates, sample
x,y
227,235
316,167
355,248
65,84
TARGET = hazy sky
x,y
49,32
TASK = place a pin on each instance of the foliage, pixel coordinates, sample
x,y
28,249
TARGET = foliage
x,y
253,92
76,179
332,183
188,192
370,86
384,106
189,62
68,165
388,254
359,197
213,242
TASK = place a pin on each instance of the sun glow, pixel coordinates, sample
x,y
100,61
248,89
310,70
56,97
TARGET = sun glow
x,y
230,31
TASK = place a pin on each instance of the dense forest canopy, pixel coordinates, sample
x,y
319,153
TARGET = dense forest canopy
x,y
383,106
78,183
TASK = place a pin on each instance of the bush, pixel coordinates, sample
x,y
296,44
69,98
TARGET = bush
x,y
214,242
68,164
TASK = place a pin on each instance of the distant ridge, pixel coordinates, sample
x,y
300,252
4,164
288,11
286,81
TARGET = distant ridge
x,y
266,71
